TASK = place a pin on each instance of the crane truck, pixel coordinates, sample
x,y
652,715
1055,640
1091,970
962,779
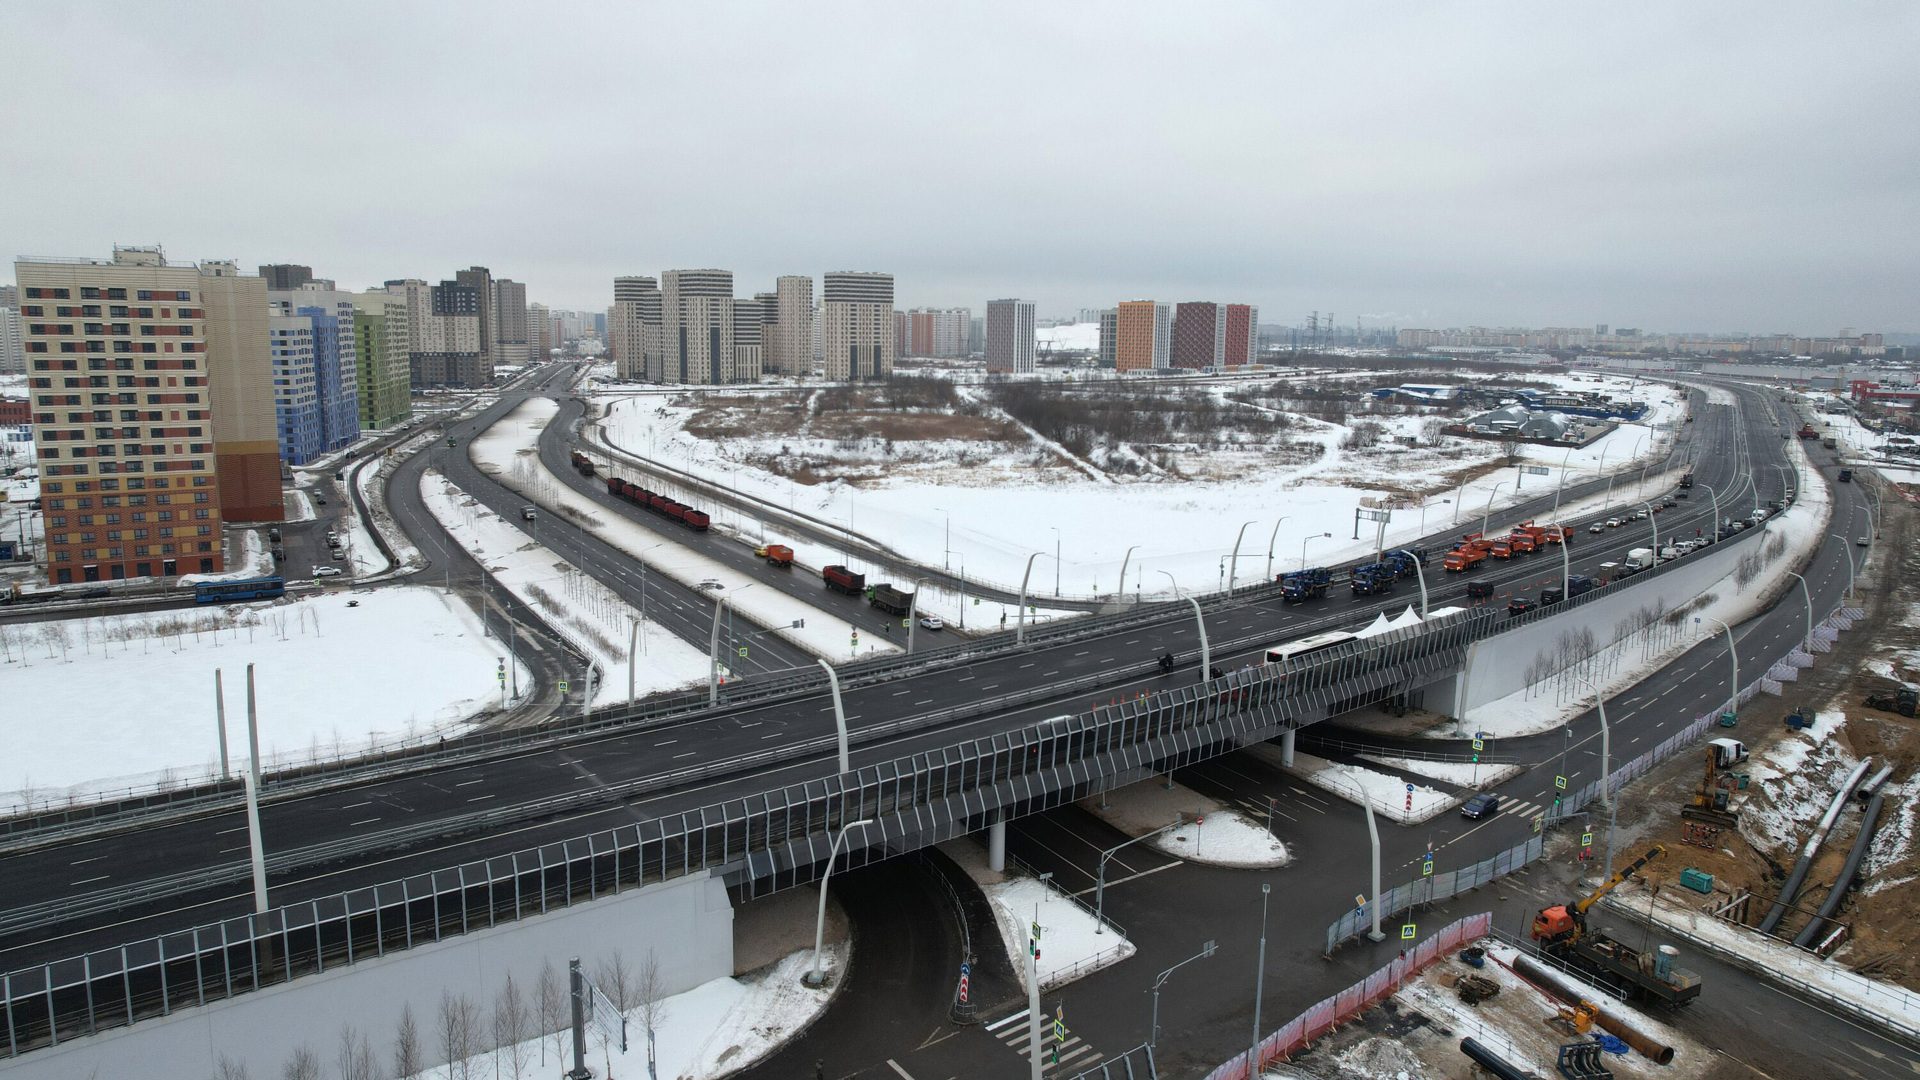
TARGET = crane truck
x,y
1561,931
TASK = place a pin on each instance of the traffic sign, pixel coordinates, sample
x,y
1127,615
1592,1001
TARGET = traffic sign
x,y
1560,782
1586,839
1036,930
1406,932
743,650
1479,744
1534,470
1426,866
563,686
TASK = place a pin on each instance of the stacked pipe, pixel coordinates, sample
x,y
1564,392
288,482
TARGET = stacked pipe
x,y
1555,985
1812,848
1875,793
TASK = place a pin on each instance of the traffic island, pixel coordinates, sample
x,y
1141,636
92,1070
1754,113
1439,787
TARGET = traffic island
x,y
1179,821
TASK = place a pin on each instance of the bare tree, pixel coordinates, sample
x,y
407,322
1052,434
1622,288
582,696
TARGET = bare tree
x,y
406,1046
550,1008
230,1069
354,1056
510,1029
303,1065
615,979
649,1000
457,1030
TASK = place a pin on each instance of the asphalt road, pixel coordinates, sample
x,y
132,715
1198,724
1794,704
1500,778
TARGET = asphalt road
x,y
140,856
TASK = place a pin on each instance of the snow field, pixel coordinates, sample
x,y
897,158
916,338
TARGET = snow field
x,y
1069,946
507,452
1354,783
133,694
1458,773
999,513
592,617
1211,833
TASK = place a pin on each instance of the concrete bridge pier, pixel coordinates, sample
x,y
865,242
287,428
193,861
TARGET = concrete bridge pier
x,y
997,844
1286,748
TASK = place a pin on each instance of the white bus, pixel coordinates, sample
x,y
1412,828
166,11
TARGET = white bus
x,y
1307,646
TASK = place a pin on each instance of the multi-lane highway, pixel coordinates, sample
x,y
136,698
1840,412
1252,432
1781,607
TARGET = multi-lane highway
x,y
140,857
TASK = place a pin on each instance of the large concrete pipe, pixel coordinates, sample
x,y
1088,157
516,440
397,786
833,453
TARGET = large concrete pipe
x,y
1557,986
1491,1061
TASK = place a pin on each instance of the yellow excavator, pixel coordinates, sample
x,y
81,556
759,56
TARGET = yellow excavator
x,y
1561,931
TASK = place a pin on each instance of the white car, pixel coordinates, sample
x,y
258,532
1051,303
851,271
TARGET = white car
x,y
931,622
326,571
1597,528
1613,523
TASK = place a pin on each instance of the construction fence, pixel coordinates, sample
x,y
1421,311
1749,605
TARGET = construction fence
x,y
1430,888
1354,1000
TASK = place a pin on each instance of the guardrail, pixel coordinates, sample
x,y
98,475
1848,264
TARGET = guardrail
x,y
764,842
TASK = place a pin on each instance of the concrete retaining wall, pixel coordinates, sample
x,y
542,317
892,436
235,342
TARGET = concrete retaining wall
x,y
687,923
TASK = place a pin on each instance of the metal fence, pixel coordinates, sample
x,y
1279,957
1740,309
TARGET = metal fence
x,y
1354,1000
1135,1064
1432,888
763,843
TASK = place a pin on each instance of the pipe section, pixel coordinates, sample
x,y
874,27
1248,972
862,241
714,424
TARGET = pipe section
x,y
1491,1061
1557,986
1875,790
1812,848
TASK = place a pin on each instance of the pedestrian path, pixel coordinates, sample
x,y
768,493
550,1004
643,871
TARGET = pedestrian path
x,y
1073,1057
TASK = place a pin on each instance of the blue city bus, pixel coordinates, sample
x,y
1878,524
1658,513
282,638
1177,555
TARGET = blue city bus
x,y
223,592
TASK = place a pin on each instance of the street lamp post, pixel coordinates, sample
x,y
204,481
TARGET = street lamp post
x,y
1303,546
1848,548
713,646
1056,560
1233,571
1733,658
1020,620
1715,497
1259,982
913,611
1606,764
1120,590
1422,575
1807,593
1153,1029
1270,542
839,715
1563,483
949,541
814,977
1206,653
1655,525
1488,516
1100,874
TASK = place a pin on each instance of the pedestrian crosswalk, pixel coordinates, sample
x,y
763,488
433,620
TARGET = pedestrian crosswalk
x,y
1510,805
1073,1056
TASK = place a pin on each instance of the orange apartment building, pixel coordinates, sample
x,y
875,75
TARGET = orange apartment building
x,y
151,389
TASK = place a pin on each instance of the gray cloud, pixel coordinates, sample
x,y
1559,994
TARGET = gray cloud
x,y
1733,166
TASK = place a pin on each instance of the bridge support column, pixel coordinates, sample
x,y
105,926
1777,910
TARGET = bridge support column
x,y
1286,748
997,844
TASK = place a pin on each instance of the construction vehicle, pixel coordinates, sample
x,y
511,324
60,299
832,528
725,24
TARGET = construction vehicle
x,y
1561,931
1526,539
889,599
1302,585
582,464
1686,480
1713,801
1558,534
1903,701
1576,1019
1501,548
1807,432
842,580
1468,553
777,555
1403,562
1373,579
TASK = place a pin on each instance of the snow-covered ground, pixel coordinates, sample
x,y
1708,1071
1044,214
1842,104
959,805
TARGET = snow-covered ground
x,y
1068,337
507,452
1794,782
371,477
134,693
247,557
1896,1005
1069,946
299,507
1389,794
987,506
1458,773
1210,832
596,620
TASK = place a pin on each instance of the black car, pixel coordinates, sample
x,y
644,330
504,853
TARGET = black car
x,y
1551,595
1480,590
1479,806
1519,605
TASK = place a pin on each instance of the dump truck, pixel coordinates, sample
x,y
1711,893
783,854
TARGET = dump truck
x,y
1561,931
1466,555
1558,534
889,599
842,580
778,555
582,464
1807,432
1686,480
1308,584
1501,548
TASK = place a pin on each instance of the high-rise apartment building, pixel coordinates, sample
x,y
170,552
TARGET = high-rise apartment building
x,y
1196,334
480,280
748,317
1239,334
1142,335
790,351
857,320
13,345
936,333
152,409
283,276
696,315
510,322
634,328
448,343
1110,338
380,356
315,372
539,333
1010,336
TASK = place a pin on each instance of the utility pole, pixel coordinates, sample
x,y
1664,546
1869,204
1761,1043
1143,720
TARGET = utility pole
x,y
1259,982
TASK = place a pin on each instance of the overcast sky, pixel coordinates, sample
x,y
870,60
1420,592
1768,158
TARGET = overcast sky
x,y
1674,166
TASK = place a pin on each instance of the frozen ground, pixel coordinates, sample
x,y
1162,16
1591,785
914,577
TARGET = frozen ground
x,y
1210,832
597,621
1458,773
1069,947
1896,1005
992,504
134,693
1794,782
1388,793
506,451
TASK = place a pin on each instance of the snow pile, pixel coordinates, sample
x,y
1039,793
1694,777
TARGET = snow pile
x,y
297,505
591,616
1069,946
1458,773
1389,794
1210,832
1774,959
247,557
506,451
371,481
134,693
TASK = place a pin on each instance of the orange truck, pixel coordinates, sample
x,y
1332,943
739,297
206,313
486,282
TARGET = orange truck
x,y
1471,550
1528,537
1501,548
779,555
1558,534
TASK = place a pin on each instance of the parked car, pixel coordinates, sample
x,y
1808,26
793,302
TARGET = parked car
x,y
326,571
337,555
931,622
1479,806
1862,542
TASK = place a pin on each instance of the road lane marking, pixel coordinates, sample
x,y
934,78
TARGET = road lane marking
x,y
91,880
480,798
357,824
